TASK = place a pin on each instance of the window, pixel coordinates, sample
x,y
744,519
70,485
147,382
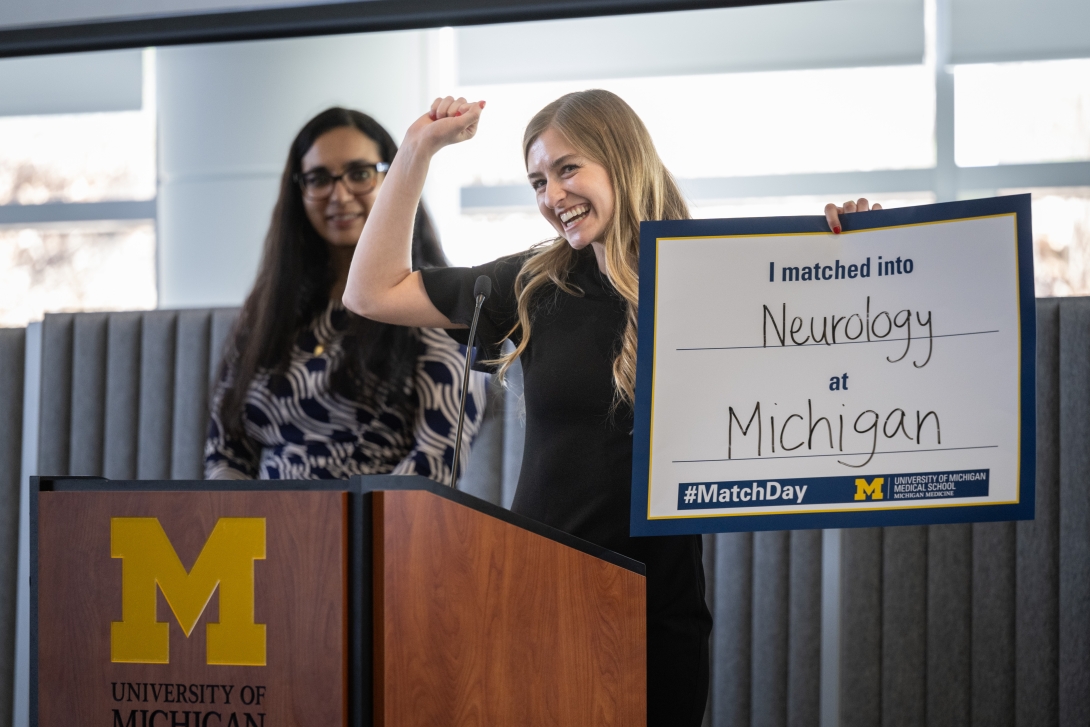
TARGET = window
x,y
1021,113
1061,240
105,266
787,142
64,181
736,124
77,157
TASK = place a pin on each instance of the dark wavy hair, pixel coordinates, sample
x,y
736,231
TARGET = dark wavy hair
x,y
293,285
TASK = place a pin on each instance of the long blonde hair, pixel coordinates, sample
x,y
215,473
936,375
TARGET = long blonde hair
x,y
601,126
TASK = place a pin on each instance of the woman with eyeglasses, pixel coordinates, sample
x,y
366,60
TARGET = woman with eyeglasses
x,y
307,389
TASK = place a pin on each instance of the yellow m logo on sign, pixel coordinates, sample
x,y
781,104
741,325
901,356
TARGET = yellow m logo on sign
x,y
226,562
874,489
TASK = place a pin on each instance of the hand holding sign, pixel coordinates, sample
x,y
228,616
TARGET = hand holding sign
x,y
832,212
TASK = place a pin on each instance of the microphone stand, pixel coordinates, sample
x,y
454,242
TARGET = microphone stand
x,y
481,290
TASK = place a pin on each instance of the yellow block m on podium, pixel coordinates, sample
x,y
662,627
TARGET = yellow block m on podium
x,y
226,562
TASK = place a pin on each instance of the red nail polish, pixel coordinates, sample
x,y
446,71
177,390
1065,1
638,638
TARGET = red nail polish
x,y
458,113
836,230
482,104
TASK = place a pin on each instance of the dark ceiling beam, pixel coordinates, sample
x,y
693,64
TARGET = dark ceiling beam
x,y
28,215
363,16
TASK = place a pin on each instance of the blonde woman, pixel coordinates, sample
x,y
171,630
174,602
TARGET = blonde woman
x,y
569,306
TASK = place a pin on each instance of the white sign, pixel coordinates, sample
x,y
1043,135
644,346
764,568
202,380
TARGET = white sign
x,y
881,371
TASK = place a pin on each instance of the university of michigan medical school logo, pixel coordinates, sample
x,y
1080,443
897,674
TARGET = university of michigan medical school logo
x,y
226,563
872,488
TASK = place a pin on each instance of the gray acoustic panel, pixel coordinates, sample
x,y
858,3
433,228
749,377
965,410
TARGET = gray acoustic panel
x,y
707,546
804,629
987,624
904,626
122,395
483,475
55,416
708,549
732,636
190,423
223,323
514,433
116,389
1074,513
764,591
992,660
1037,653
12,353
771,571
88,394
222,327
949,624
861,627
157,361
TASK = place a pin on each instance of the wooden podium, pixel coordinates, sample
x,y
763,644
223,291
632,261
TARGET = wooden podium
x,y
382,600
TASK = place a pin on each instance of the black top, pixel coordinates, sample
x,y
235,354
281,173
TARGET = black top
x,y
577,463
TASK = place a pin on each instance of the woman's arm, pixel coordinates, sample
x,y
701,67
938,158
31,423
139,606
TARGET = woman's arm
x,y
381,283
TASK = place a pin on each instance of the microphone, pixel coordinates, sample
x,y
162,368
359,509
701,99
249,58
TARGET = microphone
x,y
481,290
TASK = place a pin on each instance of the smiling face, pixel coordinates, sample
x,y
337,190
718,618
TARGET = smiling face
x,y
573,192
339,217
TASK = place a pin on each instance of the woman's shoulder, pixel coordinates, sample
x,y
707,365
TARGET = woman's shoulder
x,y
512,264
503,270
451,289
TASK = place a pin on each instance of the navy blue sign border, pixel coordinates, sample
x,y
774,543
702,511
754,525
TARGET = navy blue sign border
x,y
650,232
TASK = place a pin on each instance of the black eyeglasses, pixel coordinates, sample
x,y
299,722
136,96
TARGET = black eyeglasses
x,y
357,179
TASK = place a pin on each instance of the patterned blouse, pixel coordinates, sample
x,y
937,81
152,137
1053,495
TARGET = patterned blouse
x,y
298,428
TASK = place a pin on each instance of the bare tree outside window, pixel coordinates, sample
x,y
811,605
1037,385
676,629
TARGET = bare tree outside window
x,y
55,267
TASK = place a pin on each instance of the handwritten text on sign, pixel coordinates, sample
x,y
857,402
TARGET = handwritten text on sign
x,y
813,373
